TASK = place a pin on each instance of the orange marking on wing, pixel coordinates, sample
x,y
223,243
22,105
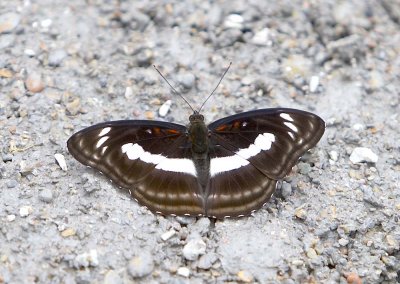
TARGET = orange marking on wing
x,y
156,131
172,131
222,127
236,125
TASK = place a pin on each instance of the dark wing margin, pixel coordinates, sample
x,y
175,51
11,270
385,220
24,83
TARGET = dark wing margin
x,y
251,151
146,159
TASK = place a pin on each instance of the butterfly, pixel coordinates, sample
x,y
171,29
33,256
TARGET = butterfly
x,y
228,168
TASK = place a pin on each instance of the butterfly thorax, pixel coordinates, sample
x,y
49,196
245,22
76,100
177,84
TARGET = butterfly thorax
x,y
198,136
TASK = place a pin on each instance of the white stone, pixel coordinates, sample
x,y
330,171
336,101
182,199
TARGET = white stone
x,y
30,52
167,235
25,211
61,161
46,23
183,271
358,127
234,21
10,217
333,155
194,248
262,37
86,259
362,154
164,109
314,83
128,92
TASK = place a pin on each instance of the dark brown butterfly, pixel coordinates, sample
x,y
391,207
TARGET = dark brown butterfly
x,y
228,168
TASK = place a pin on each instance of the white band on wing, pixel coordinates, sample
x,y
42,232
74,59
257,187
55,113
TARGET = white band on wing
x,y
135,151
219,165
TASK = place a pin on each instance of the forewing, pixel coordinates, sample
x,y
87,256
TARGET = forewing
x,y
151,159
272,140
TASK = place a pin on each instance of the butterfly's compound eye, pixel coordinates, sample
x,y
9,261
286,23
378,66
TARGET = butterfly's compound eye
x,y
196,117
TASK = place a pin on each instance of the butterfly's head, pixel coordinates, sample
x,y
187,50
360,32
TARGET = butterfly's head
x,y
196,117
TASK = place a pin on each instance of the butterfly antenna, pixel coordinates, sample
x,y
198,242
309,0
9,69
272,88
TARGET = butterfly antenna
x,y
173,89
220,80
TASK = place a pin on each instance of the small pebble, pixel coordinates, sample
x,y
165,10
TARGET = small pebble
x,y
183,271
353,278
194,248
61,161
7,158
86,259
234,21
46,195
311,253
8,22
128,92
74,106
164,109
12,183
343,242
167,235
56,57
187,80
304,168
46,23
358,127
245,276
262,37
207,260
34,83
29,52
362,154
334,155
69,232
112,277
25,211
5,73
149,115
10,217
286,190
141,265
300,213
314,83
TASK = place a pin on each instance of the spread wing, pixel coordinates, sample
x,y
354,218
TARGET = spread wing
x,y
151,159
251,151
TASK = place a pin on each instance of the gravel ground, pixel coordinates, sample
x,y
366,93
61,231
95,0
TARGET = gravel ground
x,y
65,65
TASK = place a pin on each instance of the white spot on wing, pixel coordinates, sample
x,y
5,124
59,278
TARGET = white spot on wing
x,y
286,116
291,126
135,151
104,131
101,141
264,141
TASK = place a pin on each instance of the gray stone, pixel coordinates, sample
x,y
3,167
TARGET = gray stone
x,y
46,195
12,183
8,22
187,80
141,265
207,260
286,190
112,277
56,57
304,168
